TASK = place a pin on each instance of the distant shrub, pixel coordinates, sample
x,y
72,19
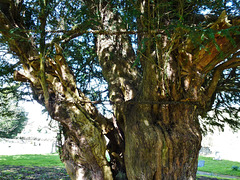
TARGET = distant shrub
x,y
235,168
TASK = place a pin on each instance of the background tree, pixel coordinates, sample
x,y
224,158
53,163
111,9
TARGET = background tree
x,y
13,117
165,65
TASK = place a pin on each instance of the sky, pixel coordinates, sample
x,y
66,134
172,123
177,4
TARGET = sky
x,y
38,123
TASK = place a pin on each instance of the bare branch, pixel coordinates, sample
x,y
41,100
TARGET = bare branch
x,y
71,34
232,63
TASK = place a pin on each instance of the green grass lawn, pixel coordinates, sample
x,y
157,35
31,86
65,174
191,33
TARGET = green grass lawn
x,y
52,160
219,167
29,160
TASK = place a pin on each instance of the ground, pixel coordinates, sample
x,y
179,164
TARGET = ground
x,y
42,173
208,178
37,173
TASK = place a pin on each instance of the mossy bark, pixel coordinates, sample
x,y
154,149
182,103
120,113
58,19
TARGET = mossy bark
x,y
162,144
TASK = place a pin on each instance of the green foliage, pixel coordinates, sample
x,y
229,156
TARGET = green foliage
x,y
178,19
83,61
12,117
226,106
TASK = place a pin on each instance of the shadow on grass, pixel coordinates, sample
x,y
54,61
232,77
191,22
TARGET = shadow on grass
x,y
43,173
37,173
209,178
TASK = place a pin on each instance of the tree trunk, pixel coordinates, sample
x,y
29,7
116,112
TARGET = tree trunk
x,y
83,152
161,141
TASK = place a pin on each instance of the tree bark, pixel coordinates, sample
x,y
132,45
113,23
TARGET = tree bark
x,y
84,148
161,141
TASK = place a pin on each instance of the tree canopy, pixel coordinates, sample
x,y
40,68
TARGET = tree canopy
x,y
74,26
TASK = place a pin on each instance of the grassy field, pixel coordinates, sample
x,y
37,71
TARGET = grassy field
x,y
29,167
27,160
42,166
219,167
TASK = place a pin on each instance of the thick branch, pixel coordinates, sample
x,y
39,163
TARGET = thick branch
x,y
43,19
208,60
74,33
82,120
232,63
219,48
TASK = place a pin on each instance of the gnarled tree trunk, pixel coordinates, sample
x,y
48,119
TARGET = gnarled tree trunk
x,y
162,141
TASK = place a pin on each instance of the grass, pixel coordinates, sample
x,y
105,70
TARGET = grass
x,y
219,167
31,166
215,177
28,160
27,165
29,173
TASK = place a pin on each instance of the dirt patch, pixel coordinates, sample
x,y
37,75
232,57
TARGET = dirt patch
x,y
37,173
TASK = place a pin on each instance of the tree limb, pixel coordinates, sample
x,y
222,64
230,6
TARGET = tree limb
x,y
42,78
234,62
206,60
29,56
